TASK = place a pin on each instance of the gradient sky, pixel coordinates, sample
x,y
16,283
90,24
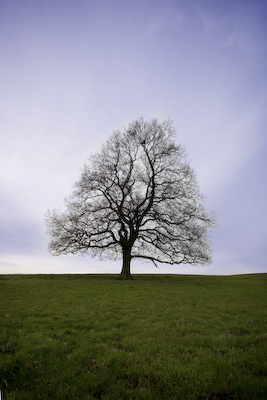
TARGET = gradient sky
x,y
73,71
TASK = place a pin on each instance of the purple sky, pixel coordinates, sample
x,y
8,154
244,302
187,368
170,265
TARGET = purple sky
x,y
72,72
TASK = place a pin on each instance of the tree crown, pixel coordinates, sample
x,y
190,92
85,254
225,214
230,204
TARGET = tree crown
x,y
137,195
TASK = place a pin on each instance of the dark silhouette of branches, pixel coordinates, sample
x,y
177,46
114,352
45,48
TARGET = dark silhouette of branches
x,y
136,198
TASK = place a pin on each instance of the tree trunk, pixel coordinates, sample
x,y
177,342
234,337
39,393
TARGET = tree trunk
x,y
126,262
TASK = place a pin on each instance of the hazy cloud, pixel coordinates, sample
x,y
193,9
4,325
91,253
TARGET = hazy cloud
x,y
72,72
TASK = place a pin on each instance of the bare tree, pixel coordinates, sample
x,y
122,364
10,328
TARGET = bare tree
x,y
137,198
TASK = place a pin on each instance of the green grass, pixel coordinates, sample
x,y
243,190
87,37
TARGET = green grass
x,y
157,337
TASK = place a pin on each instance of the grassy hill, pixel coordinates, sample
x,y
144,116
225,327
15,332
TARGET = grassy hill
x,y
156,337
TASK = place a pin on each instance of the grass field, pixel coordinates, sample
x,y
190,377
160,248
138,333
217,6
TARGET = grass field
x,y
156,337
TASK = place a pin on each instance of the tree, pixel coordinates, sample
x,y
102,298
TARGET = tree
x,y
136,198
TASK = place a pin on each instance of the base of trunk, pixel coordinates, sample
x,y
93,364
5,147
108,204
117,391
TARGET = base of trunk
x,y
126,262
125,277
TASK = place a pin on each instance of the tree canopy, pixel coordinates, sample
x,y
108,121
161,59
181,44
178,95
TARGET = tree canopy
x,y
137,198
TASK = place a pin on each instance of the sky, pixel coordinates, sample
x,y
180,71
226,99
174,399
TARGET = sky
x,y
74,71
